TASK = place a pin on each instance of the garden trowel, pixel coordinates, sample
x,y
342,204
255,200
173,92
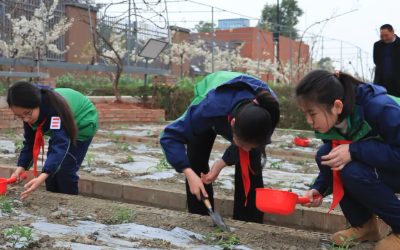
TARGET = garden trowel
x,y
215,215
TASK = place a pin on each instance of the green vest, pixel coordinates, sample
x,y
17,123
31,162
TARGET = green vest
x,y
85,113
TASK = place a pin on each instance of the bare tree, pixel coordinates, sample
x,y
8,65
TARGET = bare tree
x,y
112,49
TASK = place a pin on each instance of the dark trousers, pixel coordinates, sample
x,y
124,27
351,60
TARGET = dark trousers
x,y
367,190
199,151
66,179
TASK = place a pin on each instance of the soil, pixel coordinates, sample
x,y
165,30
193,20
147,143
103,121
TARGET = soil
x,y
74,208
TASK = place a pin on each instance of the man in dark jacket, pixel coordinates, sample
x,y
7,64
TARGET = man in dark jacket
x,y
387,61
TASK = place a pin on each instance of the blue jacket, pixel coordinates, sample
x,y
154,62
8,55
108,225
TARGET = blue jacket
x,y
211,112
380,146
58,145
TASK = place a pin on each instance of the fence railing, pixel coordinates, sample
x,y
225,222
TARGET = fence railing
x,y
27,8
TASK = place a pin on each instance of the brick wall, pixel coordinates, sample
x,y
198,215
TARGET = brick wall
x,y
110,116
106,117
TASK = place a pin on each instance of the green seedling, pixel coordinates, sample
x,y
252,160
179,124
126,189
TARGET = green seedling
x,y
122,216
124,125
6,206
225,241
292,181
162,165
148,133
304,162
17,233
276,164
129,158
116,139
284,145
124,147
90,157
10,133
19,144
147,144
161,120
346,243
302,135
313,181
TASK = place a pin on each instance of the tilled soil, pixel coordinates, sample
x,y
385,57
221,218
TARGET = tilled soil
x,y
67,210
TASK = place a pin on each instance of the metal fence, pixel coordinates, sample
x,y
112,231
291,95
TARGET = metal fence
x,y
108,25
27,8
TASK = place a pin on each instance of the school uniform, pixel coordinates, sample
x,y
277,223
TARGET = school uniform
x,y
371,179
63,158
217,98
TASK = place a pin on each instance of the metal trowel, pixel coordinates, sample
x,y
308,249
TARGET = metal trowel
x,y
215,215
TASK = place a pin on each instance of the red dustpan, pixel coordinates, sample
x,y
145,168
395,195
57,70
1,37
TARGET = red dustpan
x,y
4,182
278,201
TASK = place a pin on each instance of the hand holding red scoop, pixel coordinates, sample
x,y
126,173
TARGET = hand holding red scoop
x,y
4,182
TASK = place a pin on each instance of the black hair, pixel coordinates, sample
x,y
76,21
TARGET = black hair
x,y
388,27
255,123
323,88
26,95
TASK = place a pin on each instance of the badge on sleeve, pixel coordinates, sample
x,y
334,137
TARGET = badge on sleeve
x,y
55,122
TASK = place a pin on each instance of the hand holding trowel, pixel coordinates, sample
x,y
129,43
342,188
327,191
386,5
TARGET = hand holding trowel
x,y
214,215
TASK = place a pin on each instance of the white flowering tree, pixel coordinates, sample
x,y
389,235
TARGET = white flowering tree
x,y
23,37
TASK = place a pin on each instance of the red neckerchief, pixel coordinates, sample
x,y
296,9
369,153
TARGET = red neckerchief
x,y
245,166
338,191
39,142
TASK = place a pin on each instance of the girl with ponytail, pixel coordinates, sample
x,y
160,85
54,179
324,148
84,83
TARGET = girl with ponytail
x,y
243,110
69,118
360,158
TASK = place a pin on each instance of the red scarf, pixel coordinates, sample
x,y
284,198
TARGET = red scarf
x,y
338,191
245,166
39,142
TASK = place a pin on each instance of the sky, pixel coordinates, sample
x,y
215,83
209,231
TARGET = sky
x,y
357,29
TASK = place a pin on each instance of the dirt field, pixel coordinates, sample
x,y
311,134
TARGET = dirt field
x,y
75,222
113,159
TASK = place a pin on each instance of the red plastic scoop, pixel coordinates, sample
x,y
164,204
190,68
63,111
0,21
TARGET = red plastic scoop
x,y
278,201
4,182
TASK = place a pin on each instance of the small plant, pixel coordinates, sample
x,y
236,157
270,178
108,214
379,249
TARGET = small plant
x,y
302,136
17,233
10,133
123,215
304,162
161,120
291,185
124,125
162,165
90,157
346,243
147,144
129,158
276,164
19,144
148,133
124,147
225,241
313,181
284,145
6,206
116,139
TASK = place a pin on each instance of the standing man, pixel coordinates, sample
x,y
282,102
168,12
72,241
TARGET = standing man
x,y
387,61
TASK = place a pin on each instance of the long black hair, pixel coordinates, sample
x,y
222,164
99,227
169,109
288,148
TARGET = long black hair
x,y
323,88
26,95
255,122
